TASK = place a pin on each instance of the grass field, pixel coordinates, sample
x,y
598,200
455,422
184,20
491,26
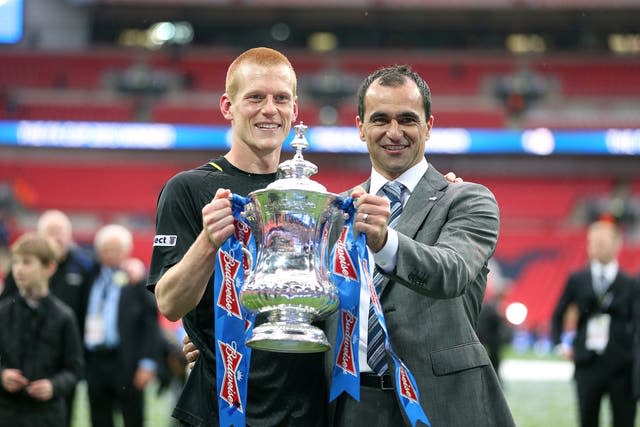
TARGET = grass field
x,y
539,394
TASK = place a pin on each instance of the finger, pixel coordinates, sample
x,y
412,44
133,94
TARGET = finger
x,y
214,224
217,208
222,193
357,192
187,344
192,356
21,381
188,347
217,238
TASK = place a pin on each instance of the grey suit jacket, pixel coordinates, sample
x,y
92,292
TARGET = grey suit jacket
x,y
432,300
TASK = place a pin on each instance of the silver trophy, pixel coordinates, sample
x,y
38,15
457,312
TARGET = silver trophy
x,y
289,281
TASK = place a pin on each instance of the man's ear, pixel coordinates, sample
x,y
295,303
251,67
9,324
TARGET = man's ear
x,y
225,106
295,109
359,125
429,126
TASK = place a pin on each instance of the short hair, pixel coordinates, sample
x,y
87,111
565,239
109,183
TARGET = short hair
x,y
393,76
53,216
260,56
35,244
113,230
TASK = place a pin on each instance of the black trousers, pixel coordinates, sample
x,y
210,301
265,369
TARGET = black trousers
x,y
595,381
107,392
377,408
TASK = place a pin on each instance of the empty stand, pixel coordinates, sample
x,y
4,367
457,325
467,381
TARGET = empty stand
x,y
471,75
167,112
59,69
89,187
585,76
104,112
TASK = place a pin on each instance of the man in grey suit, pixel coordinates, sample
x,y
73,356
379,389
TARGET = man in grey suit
x,y
432,263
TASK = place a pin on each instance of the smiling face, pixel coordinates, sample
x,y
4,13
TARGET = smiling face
x,y
394,127
261,108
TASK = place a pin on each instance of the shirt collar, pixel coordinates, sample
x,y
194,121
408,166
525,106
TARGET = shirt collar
x,y
609,270
409,178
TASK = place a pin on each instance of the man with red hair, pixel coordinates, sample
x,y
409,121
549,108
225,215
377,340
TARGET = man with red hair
x,y
194,219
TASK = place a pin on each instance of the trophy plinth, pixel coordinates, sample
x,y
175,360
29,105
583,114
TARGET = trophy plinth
x,y
289,330
289,283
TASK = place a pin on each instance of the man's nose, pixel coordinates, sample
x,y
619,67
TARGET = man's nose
x,y
269,106
394,131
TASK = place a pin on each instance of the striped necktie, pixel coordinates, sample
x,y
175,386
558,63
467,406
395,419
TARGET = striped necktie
x,y
375,339
600,284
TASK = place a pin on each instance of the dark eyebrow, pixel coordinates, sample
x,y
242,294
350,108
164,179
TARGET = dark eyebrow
x,y
378,115
409,115
405,115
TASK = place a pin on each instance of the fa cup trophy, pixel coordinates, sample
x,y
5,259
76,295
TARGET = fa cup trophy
x,y
288,284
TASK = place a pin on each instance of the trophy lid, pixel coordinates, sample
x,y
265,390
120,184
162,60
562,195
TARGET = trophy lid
x,y
295,173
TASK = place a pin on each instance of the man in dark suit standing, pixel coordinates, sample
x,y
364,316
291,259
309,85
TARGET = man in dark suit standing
x,y
121,336
606,302
431,241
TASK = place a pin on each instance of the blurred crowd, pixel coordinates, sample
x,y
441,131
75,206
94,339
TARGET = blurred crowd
x,y
123,344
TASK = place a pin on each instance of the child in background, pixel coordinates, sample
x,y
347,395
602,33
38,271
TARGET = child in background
x,y
41,356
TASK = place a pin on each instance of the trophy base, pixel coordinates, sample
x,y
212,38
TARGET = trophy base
x,y
288,338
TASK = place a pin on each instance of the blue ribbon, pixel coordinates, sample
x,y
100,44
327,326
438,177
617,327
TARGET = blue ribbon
x,y
350,270
344,275
232,322
405,384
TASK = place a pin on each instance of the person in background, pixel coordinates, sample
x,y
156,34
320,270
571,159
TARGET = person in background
x,y
121,334
41,356
606,300
492,329
431,242
172,367
70,282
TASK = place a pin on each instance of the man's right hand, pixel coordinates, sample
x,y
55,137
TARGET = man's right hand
x,y
190,351
217,218
13,380
452,178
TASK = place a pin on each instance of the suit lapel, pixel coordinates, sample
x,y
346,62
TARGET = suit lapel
x,y
424,197
428,191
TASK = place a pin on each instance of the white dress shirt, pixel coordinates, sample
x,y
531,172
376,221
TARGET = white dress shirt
x,y
609,271
387,257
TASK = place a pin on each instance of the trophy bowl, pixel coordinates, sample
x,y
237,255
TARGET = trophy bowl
x,y
288,285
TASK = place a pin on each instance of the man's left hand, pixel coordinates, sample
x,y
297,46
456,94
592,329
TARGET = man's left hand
x,y
41,390
142,377
372,217
452,178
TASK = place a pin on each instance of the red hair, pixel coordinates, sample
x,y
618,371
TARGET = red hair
x,y
263,56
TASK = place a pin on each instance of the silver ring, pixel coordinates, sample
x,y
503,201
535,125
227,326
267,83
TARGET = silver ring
x,y
364,217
